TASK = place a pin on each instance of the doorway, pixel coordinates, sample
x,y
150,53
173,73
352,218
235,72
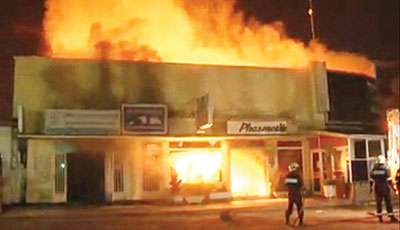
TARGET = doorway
x,y
85,180
318,174
285,157
248,173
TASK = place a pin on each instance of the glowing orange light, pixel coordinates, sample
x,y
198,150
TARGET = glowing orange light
x,y
200,32
206,166
200,166
310,12
393,129
247,175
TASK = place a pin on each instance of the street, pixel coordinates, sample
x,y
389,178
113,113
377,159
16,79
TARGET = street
x,y
181,218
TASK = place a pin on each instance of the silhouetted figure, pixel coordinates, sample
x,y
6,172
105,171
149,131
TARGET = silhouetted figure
x,y
381,181
294,183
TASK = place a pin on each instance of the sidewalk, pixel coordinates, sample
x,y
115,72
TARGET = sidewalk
x,y
141,209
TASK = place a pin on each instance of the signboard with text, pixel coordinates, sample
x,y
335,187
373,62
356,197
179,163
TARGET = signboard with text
x,y
256,127
144,119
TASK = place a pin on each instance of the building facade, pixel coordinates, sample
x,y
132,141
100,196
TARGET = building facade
x,y
101,131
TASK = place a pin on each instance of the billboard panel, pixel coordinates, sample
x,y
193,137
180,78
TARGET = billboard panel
x,y
144,119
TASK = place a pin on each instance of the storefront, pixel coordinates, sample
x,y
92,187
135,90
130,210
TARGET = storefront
x,y
95,169
163,131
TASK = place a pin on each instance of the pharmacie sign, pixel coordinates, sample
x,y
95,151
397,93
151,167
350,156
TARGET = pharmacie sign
x,y
257,127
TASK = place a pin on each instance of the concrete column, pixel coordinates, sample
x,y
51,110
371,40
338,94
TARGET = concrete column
x,y
320,94
307,164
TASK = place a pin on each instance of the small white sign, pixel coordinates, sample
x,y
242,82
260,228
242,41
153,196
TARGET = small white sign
x,y
257,127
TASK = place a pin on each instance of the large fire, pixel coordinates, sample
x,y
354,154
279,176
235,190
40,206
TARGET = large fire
x,y
247,174
183,31
205,167
194,167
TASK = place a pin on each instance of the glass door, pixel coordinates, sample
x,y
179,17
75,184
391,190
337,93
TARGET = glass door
x,y
317,171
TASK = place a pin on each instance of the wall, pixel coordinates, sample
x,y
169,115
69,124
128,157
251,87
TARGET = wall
x,y
41,165
12,170
237,92
40,171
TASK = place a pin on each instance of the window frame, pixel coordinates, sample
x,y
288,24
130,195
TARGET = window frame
x,y
370,160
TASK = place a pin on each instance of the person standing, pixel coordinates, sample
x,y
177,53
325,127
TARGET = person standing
x,y
381,182
294,183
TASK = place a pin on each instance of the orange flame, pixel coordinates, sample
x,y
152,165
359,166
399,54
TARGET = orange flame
x,y
195,167
206,166
183,31
247,175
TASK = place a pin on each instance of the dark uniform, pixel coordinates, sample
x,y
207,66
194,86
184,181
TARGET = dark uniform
x,y
294,183
382,183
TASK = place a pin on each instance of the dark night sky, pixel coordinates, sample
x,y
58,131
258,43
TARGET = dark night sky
x,y
368,27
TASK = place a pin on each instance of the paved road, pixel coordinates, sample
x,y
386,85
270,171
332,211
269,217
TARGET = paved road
x,y
328,218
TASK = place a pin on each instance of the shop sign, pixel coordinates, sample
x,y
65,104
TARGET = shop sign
x,y
144,119
80,122
256,127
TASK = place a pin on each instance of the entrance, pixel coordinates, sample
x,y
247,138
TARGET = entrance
x,y
85,183
318,175
285,157
248,173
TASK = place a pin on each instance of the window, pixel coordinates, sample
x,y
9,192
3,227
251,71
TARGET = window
x,y
196,166
118,173
374,148
359,171
152,167
60,173
350,98
359,149
365,154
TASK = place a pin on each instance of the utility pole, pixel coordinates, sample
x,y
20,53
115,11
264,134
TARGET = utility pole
x,y
311,14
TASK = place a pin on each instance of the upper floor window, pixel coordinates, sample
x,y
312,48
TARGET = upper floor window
x,y
351,98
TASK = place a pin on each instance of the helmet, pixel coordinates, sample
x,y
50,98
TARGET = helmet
x,y
381,160
293,166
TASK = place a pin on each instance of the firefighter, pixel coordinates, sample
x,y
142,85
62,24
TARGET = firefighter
x,y
381,181
294,183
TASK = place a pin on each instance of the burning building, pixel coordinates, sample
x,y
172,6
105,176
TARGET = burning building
x,y
95,130
196,102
